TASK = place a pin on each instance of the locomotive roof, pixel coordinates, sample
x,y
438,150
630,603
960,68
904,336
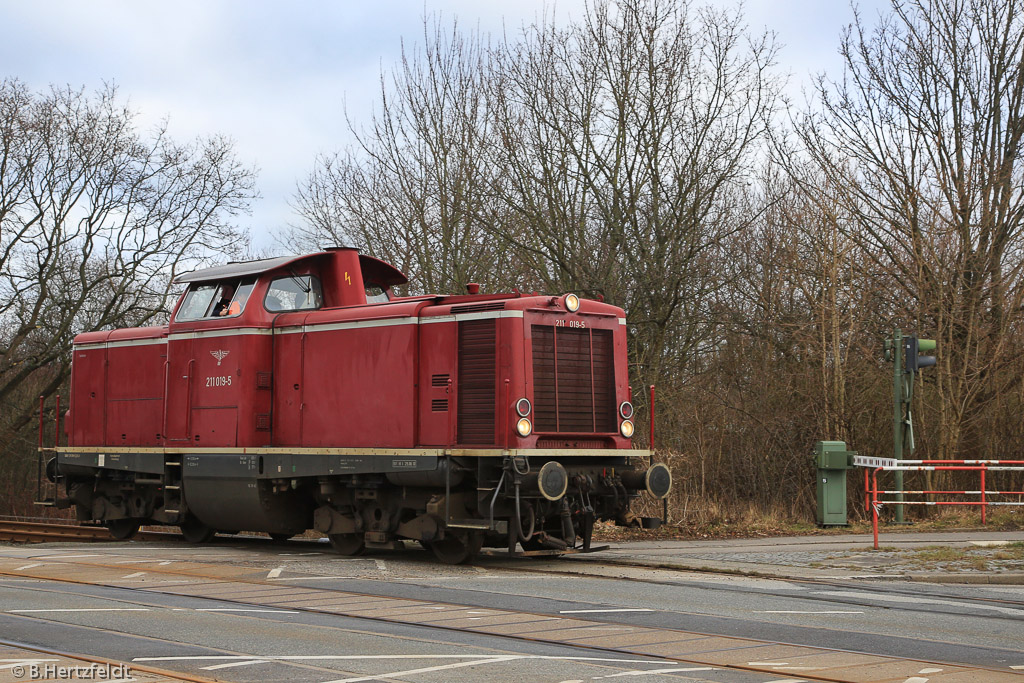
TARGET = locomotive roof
x,y
240,268
381,272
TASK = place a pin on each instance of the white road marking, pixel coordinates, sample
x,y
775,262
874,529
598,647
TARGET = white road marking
x,y
303,658
134,561
274,573
64,557
1018,667
81,609
917,600
767,663
649,672
309,578
916,679
789,611
23,662
380,565
427,669
232,609
602,611
244,609
134,576
788,680
165,562
230,665
30,566
929,671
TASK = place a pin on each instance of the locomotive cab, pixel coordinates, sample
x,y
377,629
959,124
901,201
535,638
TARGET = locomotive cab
x,y
300,392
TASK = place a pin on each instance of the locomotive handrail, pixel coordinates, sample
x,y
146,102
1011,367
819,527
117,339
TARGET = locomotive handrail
x,y
188,400
494,498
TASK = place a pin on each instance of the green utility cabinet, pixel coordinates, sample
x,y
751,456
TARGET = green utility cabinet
x,y
832,460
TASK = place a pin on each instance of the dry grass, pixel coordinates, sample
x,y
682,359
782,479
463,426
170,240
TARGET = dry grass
x,y
694,517
939,553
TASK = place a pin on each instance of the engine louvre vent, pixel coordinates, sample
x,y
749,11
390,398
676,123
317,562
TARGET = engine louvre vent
x,y
439,405
573,380
477,391
439,380
477,308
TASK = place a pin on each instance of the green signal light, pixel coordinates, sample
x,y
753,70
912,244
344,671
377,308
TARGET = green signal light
x,y
912,346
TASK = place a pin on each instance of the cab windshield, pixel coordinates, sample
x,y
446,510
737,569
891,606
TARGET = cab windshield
x,y
293,293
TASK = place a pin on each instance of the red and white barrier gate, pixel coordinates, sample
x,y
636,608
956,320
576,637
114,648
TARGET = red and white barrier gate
x,y
872,466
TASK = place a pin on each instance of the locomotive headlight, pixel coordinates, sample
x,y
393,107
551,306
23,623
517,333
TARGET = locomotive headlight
x,y
523,407
572,303
627,429
524,427
626,410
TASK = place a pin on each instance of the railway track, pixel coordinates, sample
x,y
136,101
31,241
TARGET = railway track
x,y
44,532
22,658
250,587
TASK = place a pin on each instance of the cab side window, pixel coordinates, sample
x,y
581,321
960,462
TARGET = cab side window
x,y
215,300
375,294
197,302
293,293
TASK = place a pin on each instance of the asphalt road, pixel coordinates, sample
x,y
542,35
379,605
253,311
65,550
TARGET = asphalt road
x,y
231,640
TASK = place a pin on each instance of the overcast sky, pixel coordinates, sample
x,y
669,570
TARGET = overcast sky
x,y
278,76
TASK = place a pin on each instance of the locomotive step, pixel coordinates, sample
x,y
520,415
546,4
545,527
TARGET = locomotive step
x,y
468,524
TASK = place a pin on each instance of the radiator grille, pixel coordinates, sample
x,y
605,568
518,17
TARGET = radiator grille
x,y
573,380
477,389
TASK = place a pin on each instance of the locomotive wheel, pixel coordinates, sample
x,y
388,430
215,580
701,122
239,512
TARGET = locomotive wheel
x,y
280,537
457,549
194,531
347,544
123,529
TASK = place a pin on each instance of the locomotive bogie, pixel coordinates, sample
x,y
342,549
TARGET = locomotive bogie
x,y
301,393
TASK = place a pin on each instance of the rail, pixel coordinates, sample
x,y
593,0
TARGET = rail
x,y
875,465
40,532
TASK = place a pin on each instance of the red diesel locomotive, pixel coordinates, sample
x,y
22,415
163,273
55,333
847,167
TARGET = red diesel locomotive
x,y
300,392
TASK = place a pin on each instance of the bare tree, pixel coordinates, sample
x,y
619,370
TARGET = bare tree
x,y
610,157
924,137
414,190
95,221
